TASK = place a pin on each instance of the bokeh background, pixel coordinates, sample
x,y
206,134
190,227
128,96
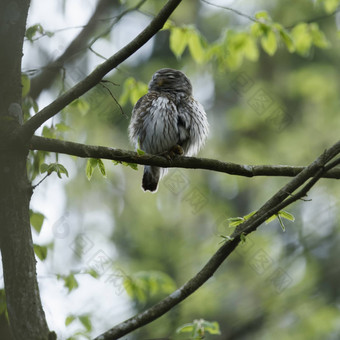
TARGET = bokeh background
x,y
113,250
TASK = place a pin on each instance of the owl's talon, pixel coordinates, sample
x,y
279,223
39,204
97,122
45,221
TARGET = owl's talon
x,y
175,151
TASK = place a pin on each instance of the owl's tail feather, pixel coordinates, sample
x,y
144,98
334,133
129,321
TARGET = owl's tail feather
x,y
151,178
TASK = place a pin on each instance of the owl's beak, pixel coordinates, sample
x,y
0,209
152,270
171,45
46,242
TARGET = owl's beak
x,y
160,81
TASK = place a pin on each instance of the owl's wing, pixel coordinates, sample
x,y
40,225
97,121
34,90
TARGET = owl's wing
x,y
140,102
193,125
136,123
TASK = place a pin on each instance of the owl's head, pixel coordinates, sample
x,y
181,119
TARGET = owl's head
x,y
169,80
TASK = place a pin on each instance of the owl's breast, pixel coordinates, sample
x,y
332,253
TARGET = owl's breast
x,y
159,125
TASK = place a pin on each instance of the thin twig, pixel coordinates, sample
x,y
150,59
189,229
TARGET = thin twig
x,y
113,97
96,53
34,186
234,11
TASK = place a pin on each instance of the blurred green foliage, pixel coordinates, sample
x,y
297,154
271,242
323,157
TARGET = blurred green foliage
x,y
270,88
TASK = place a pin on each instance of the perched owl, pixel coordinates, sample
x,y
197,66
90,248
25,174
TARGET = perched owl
x,y
167,117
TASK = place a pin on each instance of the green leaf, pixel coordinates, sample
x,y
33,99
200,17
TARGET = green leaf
x,y
281,223
93,273
133,90
140,152
302,38
80,105
257,29
48,132
319,39
236,47
53,167
32,31
251,51
101,167
195,47
90,166
281,214
133,166
61,170
61,127
70,281
262,15
211,327
43,167
26,85
69,319
86,322
226,238
330,5
198,328
168,25
40,251
179,39
186,328
246,217
144,284
272,218
243,237
288,40
268,42
235,221
37,220
286,215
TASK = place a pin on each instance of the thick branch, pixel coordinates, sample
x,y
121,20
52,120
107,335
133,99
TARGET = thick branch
x,y
90,151
45,79
272,206
27,130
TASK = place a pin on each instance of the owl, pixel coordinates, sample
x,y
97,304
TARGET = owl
x,y
167,118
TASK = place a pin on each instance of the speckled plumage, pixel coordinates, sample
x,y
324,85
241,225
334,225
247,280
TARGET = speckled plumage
x,y
167,116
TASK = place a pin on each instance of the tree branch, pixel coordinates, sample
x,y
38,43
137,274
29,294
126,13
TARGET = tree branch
x,y
91,151
46,78
27,130
271,207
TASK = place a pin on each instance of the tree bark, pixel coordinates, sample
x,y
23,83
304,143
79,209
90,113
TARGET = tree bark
x,y
26,316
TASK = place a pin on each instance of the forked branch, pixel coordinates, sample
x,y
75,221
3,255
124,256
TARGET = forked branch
x,y
305,180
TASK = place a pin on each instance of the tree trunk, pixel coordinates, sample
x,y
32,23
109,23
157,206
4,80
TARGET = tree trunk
x,y
26,316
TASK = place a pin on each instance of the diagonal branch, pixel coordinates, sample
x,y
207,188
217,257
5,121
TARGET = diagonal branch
x,y
24,132
272,206
91,151
45,78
